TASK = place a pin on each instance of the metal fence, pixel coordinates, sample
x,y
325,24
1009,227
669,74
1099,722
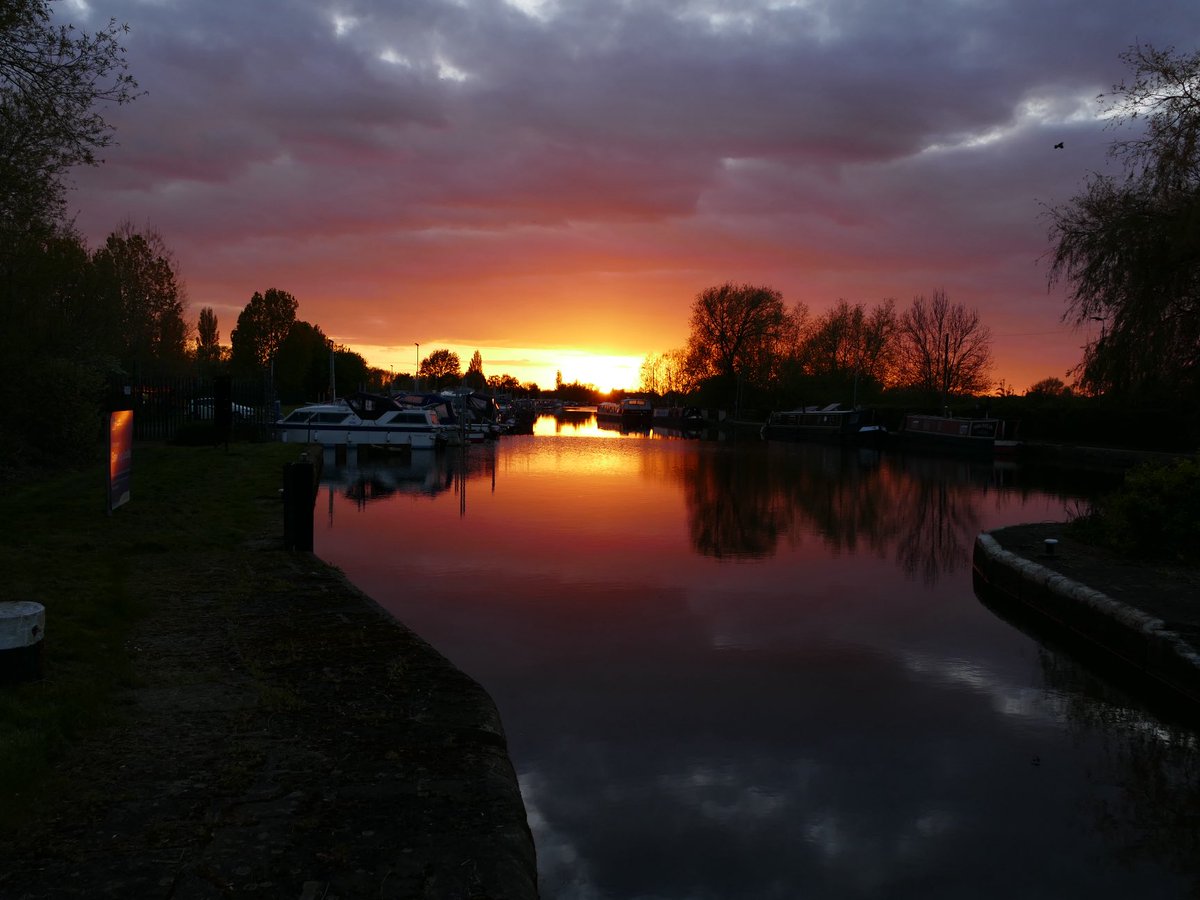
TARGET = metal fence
x,y
167,408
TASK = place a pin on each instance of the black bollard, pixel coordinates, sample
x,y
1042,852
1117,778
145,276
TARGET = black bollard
x,y
299,495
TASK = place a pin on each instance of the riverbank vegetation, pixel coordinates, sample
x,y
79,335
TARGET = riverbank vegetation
x,y
1154,515
1128,246
747,351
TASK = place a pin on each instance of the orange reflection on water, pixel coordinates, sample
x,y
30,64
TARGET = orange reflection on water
x,y
581,423
572,512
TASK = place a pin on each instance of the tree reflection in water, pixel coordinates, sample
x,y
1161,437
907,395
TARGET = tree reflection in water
x,y
735,506
701,700
921,511
1142,759
1152,814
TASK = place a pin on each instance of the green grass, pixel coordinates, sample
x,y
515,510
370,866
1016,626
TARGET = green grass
x,y
98,575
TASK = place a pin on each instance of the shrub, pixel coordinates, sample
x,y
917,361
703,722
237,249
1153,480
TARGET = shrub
x,y
61,421
1155,514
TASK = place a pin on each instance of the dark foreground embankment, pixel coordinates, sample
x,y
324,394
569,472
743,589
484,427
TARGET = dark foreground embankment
x,y
1143,617
297,743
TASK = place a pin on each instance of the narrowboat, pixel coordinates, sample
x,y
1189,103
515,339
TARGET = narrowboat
x,y
956,434
833,423
632,412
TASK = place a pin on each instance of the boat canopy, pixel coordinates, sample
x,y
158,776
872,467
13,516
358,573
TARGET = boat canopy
x,y
480,407
370,407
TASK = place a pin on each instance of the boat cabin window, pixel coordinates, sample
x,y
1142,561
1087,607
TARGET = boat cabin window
x,y
329,417
300,415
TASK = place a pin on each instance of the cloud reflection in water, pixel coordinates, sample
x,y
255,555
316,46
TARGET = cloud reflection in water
x,y
758,672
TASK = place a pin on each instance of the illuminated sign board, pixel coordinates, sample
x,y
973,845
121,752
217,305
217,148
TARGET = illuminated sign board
x,y
120,456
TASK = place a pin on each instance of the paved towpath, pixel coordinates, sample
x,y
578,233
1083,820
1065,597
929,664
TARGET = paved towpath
x,y
1146,613
295,743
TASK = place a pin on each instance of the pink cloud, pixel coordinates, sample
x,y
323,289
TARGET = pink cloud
x,y
574,180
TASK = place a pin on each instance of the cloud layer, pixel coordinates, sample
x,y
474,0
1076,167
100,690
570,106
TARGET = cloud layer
x,y
541,174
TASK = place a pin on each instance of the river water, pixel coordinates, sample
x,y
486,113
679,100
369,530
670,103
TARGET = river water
x,y
759,670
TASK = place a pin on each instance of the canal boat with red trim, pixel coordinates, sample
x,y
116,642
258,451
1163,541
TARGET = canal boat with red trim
x,y
982,436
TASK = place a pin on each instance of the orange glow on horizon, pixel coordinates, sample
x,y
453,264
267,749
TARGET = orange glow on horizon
x,y
1018,369
604,371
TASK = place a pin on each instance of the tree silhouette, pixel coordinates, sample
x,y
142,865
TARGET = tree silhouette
x,y
208,337
474,378
441,368
1128,248
732,326
135,278
52,79
850,346
262,325
944,348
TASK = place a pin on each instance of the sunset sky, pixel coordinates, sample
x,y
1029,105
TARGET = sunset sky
x,y
552,182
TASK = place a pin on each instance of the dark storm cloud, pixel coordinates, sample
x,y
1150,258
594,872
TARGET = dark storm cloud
x,y
915,134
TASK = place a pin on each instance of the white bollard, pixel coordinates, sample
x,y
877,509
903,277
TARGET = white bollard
x,y
22,625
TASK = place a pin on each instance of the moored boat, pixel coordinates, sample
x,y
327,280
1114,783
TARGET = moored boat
x,y
466,416
689,420
630,411
363,419
984,436
833,423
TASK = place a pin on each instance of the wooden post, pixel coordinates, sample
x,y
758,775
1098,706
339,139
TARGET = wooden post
x,y
299,498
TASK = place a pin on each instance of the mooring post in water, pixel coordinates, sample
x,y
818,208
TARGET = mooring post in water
x,y
299,496
22,624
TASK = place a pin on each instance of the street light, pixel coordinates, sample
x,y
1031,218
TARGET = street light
x,y
417,370
332,376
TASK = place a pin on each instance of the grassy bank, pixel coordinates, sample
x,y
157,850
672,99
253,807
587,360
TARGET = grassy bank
x,y
192,512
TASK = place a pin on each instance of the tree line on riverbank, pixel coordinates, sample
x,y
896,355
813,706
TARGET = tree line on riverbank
x,y
747,349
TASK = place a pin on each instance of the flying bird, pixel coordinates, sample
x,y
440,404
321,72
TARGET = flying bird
x,y
1058,146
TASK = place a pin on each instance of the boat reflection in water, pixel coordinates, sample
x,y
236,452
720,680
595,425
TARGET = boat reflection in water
x,y
417,473
757,669
414,474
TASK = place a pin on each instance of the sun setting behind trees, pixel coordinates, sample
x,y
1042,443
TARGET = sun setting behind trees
x,y
528,365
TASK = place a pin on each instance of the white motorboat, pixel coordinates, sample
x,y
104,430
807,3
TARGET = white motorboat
x,y
371,419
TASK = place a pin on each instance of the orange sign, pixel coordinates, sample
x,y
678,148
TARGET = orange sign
x,y
120,456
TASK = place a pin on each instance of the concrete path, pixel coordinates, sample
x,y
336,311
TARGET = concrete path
x,y
1145,616
295,743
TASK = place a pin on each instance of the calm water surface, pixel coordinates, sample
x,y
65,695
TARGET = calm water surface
x,y
760,670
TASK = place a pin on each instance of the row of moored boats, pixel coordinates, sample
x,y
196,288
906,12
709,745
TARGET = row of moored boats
x,y
405,421
982,435
428,421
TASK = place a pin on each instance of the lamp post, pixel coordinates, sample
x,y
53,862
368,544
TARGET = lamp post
x,y
417,370
332,376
